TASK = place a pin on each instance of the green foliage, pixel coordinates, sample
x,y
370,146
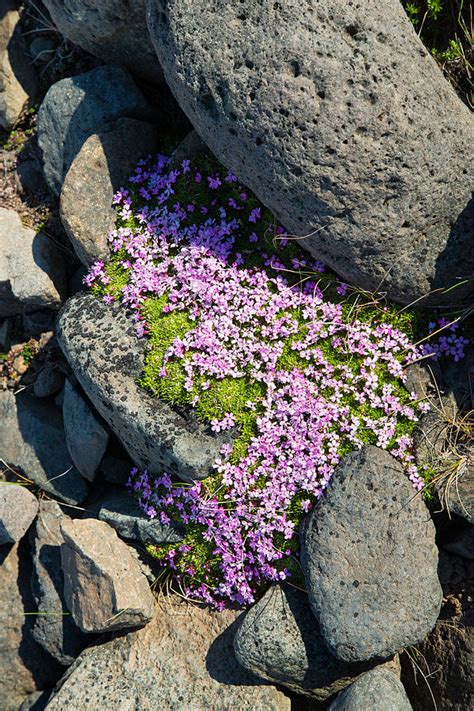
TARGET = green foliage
x,y
446,28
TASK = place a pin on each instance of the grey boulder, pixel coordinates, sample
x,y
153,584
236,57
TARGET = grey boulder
x,y
104,588
86,437
107,358
104,164
32,441
378,689
370,560
32,274
18,82
114,30
53,629
279,640
322,109
122,512
182,660
18,508
75,108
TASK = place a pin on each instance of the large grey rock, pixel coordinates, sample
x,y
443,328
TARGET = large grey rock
x,y
32,274
114,30
18,81
54,629
100,344
182,660
75,108
378,689
18,508
279,640
122,512
86,437
370,560
104,164
104,588
322,110
32,440
24,666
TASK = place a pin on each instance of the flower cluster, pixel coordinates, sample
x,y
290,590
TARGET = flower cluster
x,y
450,343
246,334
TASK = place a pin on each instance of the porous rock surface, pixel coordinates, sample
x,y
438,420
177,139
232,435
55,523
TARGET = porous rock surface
x,y
279,640
18,81
86,437
121,511
370,560
32,440
31,269
18,508
100,344
53,628
104,164
182,660
104,588
75,108
322,109
378,689
114,30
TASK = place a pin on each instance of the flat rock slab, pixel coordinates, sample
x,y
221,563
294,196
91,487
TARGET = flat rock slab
x,y
321,108
86,436
18,509
104,588
182,660
114,30
32,440
32,274
53,629
107,358
279,640
122,512
370,560
104,164
378,689
75,108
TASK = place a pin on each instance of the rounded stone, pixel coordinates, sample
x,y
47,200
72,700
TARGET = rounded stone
x,y
340,121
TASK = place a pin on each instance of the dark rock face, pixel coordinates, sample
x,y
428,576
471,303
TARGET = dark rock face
x,y
279,640
75,108
183,659
123,513
100,344
378,689
114,30
370,560
55,632
86,437
450,651
24,666
32,440
322,110
103,165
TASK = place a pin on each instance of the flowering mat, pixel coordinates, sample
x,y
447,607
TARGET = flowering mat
x,y
265,344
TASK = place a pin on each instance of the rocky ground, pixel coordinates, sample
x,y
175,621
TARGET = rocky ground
x,y
387,617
